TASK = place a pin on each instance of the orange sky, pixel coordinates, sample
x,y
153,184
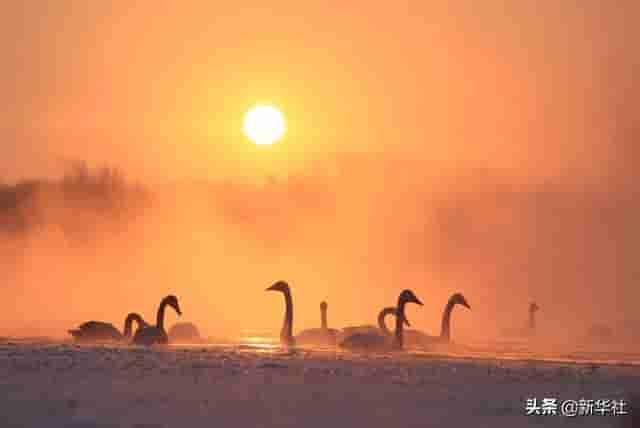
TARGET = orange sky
x,y
458,102
160,87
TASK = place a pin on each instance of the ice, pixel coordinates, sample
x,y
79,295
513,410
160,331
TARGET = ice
x,y
62,385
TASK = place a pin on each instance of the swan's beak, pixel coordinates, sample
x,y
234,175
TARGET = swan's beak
x,y
417,301
466,305
278,286
177,308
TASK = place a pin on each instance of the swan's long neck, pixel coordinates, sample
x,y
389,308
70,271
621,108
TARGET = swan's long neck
x,y
397,338
445,328
532,319
323,315
127,325
160,316
381,317
286,335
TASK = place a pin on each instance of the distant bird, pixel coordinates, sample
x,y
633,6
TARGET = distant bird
x,y
533,308
97,331
319,336
527,331
184,332
599,333
156,334
380,341
286,334
418,338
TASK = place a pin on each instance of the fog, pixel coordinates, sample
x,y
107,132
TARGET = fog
x,y
490,150
89,247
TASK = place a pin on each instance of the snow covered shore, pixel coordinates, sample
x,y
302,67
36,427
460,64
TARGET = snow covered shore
x,y
63,385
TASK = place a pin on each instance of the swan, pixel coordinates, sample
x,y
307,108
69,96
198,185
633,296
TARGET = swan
x,y
369,336
153,334
382,340
286,334
319,336
185,332
599,333
529,329
103,331
533,308
371,329
418,338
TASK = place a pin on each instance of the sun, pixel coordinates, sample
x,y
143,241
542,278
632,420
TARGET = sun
x,y
264,124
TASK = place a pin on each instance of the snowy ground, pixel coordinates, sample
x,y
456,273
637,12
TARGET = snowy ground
x,y
63,385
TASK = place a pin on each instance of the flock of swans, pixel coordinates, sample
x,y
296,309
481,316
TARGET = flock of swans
x,y
146,334
356,338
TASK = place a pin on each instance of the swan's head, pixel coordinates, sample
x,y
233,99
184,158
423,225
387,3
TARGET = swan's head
x,y
458,299
407,296
280,286
323,306
533,307
135,317
128,323
172,301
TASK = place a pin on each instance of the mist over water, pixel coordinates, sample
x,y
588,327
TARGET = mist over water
x,y
354,238
485,150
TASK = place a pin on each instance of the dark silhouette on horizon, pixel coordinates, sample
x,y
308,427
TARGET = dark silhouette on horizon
x,y
184,332
91,331
319,336
380,341
156,334
419,338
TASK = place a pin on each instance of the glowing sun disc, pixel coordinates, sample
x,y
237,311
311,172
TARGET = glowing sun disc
x,y
264,124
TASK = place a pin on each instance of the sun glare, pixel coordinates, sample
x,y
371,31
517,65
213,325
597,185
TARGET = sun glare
x,y
264,124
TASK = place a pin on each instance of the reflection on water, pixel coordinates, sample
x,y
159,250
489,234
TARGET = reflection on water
x,y
259,337
262,341
258,340
250,340
266,341
568,353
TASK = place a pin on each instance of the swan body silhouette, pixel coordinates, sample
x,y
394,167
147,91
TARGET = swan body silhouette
x,y
381,340
319,336
418,338
156,334
96,331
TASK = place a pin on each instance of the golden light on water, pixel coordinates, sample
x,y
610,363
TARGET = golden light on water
x,y
264,124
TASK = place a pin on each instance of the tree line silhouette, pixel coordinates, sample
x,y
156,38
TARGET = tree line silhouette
x,y
74,203
87,201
